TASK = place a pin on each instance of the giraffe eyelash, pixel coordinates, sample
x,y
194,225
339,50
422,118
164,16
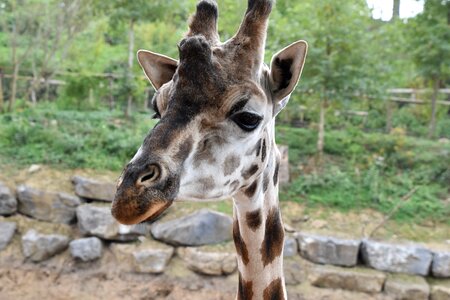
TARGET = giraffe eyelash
x,y
247,121
157,114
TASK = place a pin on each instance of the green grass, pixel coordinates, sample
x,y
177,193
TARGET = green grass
x,y
73,139
375,171
362,170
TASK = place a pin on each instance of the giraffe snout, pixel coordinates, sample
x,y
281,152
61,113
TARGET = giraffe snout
x,y
143,193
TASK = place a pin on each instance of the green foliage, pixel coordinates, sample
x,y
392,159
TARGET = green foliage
x,y
430,40
98,139
351,57
372,171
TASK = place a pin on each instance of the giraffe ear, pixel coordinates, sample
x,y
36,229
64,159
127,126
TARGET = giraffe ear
x,y
158,68
285,70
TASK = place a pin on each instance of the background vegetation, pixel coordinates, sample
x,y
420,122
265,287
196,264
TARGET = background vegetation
x,y
72,95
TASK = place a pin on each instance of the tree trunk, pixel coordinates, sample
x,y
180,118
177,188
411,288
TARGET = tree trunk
x,y
111,95
130,66
321,134
1,91
396,10
12,98
34,83
91,97
323,107
47,90
389,109
432,127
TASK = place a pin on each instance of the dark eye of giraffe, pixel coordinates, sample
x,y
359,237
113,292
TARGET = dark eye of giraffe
x,y
246,120
156,115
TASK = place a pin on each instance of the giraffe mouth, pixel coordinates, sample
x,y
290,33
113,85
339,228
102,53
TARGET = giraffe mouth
x,y
137,211
133,205
155,213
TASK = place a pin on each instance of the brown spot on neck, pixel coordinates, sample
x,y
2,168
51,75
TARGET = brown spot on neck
x,y
263,150
245,289
254,219
250,171
266,180
272,245
275,173
274,291
241,247
250,191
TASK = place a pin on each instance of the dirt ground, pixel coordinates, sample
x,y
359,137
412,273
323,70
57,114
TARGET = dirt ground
x,y
62,278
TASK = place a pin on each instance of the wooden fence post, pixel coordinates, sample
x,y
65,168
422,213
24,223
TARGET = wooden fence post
x,y
111,94
388,115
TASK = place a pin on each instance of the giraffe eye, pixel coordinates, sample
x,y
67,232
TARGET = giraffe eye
x,y
247,121
157,114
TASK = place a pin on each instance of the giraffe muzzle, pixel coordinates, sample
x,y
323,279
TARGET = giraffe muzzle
x,y
143,195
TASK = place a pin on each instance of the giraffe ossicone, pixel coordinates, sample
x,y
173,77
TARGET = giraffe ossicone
x,y
215,138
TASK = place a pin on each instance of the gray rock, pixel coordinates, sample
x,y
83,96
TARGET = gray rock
x,y
441,264
38,247
354,279
294,271
440,290
290,247
86,249
7,230
152,260
98,221
208,262
147,257
8,203
405,287
93,189
411,259
199,228
283,172
34,168
328,250
47,206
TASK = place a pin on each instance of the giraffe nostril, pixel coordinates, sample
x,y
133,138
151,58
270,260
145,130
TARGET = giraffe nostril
x,y
151,176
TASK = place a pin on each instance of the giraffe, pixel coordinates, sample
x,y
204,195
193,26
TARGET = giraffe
x,y
215,138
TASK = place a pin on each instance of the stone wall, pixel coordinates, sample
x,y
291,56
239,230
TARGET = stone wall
x,y
84,227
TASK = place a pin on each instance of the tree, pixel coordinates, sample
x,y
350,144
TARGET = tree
x,y
40,33
131,12
56,28
18,23
430,47
338,63
396,10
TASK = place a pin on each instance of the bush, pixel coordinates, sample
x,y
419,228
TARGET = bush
x,y
72,139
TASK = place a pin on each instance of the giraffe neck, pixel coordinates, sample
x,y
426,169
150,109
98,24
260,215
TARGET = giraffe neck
x,y
259,235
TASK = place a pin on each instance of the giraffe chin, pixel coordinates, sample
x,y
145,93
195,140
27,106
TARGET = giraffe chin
x,y
153,212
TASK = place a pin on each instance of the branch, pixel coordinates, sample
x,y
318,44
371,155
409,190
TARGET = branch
x,y
405,199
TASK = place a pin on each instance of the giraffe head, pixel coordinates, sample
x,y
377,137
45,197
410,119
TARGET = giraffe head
x,y
216,107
